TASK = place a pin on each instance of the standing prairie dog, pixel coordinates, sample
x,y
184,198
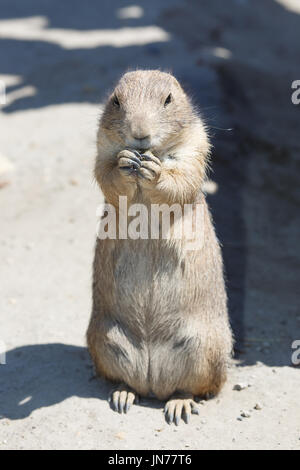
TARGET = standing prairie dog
x,y
159,323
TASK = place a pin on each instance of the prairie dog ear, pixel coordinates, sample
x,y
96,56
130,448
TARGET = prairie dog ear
x,y
176,83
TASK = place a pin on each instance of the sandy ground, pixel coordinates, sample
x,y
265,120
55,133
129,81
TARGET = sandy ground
x,y
57,65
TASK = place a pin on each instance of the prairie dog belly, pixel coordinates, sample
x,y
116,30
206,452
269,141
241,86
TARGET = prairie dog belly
x,y
151,331
148,288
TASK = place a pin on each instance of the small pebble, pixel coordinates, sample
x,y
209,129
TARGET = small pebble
x,y
121,436
240,386
258,406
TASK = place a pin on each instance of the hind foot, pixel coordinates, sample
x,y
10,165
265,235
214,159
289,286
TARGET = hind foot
x,y
180,406
121,398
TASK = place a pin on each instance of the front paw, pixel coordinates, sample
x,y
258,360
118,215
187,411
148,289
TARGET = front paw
x,y
129,162
150,168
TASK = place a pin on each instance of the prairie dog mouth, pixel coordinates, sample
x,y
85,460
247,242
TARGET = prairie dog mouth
x,y
140,147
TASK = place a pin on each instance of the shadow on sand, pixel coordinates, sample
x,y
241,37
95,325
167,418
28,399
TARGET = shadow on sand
x,y
47,374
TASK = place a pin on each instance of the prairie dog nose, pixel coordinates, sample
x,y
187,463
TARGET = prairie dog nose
x,y
141,138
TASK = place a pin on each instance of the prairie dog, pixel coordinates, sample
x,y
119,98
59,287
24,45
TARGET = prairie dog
x,y
159,323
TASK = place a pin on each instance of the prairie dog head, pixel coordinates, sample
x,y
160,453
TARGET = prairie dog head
x,y
147,110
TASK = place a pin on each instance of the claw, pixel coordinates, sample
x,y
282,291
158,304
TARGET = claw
x,y
132,164
178,412
169,412
121,399
195,409
115,401
136,160
145,157
127,407
136,153
186,417
129,401
186,413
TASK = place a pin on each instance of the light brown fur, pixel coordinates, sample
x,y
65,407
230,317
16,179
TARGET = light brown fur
x,y
159,322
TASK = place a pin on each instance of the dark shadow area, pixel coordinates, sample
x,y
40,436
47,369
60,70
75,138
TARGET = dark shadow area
x,y
241,58
66,73
251,48
72,14
67,76
42,375
226,203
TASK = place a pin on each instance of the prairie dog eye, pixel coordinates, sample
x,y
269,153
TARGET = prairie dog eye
x,y
116,102
168,100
